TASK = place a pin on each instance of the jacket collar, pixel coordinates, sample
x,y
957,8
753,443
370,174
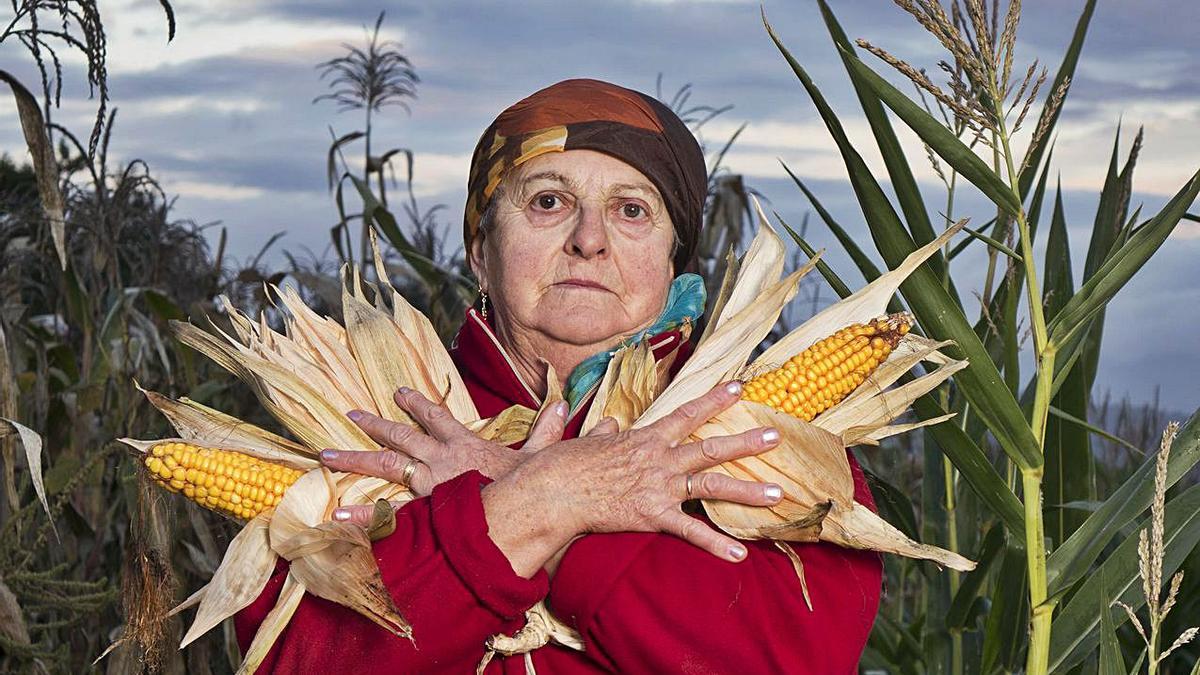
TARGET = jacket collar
x,y
491,376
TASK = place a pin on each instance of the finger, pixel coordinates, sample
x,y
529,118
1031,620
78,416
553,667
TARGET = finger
x,y
357,514
548,428
717,449
385,464
718,486
696,532
692,415
607,425
434,418
394,435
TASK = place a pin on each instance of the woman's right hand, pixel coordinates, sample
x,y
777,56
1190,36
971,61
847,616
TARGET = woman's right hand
x,y
626,481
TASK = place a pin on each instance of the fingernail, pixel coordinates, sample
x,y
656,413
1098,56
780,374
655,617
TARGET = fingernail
x,y
328,454
354,415
341,514
737,552
770,435
404,391
773,492
560,408
734,388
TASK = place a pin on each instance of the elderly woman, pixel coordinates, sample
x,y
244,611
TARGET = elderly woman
x,y
584,207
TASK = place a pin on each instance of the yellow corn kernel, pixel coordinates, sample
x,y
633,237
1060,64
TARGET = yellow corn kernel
x,y
819,377
229,482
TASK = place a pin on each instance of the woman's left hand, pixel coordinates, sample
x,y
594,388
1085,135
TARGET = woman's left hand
x,y
448,449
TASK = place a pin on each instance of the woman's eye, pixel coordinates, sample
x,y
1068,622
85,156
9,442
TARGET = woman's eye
x,y
633,210
547,201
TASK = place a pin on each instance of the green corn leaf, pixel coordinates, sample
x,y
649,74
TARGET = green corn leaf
x,y
1007,624
1084,424
940,139
1122,265
1071,561
974,466
936,312
973,582
1111,660
1077,627
894,505
1109,234
869,271
993,244
962,245
903,182
1070,470
835,282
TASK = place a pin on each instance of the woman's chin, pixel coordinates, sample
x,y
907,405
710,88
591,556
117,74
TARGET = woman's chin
x,y
585,323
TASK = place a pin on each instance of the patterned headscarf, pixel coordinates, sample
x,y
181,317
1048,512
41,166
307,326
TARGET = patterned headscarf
x,y
589,114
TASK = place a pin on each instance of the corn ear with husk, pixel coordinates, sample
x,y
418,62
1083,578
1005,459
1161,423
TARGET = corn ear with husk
x,y
308,376
810,461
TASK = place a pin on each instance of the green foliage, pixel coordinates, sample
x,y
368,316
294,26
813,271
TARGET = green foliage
x,y
1034,602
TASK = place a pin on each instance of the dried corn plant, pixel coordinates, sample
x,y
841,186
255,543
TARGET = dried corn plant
x,y
1040,539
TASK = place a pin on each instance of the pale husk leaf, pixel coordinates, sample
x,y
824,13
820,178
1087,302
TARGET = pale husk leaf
x,y
452,392
717,308
634,387
332,560
760,268
306,413
290,460
859,527
867,414
383,355
199,424
880,433
511,425
240,578
276,620
809,464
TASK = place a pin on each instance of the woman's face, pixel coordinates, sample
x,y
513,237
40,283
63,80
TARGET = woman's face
x,y
579,250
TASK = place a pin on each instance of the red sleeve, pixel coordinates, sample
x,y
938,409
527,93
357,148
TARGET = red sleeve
x,y
655,603
448,580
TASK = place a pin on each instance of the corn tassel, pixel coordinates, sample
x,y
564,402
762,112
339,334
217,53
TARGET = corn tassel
x,y
819,377
228,482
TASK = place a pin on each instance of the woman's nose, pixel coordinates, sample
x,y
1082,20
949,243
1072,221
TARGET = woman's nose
x,y
589,239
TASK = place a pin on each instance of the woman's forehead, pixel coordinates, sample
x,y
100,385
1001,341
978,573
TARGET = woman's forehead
x,y
580,169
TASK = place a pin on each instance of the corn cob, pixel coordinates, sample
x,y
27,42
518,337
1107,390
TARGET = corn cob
x,y
819,377
231,483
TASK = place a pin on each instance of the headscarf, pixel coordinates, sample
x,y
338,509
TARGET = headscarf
x,y
593,115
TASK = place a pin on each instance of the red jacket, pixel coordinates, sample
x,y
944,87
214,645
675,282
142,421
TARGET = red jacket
x,y
643,602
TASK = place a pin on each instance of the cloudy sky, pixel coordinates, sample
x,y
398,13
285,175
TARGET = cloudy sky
x,y
225,119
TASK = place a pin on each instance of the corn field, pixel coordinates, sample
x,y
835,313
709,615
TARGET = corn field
x,y
1083,513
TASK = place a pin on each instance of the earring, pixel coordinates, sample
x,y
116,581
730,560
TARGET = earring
x,y
482,302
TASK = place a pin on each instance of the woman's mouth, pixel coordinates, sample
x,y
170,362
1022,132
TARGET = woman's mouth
x,y
582,283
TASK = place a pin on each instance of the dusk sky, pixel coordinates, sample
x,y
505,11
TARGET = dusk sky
x,y
224,117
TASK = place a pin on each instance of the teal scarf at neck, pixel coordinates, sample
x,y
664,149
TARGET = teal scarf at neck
x,y
685,304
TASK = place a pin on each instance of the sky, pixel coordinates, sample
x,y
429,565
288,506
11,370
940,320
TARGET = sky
x,y
224,116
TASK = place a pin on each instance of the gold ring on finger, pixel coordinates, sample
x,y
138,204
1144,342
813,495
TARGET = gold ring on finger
x,y
406,475
689,486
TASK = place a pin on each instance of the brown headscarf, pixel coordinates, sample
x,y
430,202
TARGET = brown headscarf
x,y
589,114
